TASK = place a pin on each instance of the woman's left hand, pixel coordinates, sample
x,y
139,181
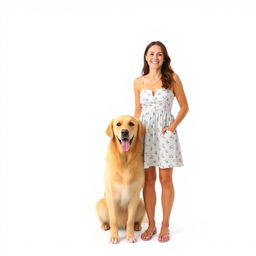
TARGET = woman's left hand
x,y
169,128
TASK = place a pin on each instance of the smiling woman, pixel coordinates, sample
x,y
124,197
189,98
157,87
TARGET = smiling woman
x,y
155,57
154,93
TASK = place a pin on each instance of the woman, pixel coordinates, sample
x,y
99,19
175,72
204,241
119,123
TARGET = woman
x,y
154,92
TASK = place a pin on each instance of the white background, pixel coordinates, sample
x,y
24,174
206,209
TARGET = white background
x,y
67,68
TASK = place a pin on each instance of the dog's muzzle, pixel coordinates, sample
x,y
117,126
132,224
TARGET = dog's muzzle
x,y
125,140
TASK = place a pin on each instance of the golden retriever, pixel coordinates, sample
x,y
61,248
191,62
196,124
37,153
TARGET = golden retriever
x,y
124,179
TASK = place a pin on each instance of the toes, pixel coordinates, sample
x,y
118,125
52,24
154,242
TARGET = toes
x,y
131,239
164,238
147,235
114,240
144,236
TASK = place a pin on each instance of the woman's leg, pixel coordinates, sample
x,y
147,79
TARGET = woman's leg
x,y
149,195
165,176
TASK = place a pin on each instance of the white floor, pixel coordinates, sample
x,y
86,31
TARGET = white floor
x,y
65,224
67,69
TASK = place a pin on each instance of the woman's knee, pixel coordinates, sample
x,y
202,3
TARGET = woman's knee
x,y
150,176
165,178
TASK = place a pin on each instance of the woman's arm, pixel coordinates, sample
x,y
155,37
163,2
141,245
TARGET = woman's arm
x,y
137,98
182,100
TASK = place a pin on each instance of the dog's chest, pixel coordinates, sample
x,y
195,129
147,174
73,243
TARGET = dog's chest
x,y
122,194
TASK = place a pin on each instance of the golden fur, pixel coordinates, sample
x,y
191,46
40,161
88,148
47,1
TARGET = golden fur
x,y
124,179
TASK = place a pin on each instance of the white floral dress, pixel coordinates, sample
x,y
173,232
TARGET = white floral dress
x,y
160,150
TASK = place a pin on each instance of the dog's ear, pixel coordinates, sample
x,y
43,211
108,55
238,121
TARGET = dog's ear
x,y
141,129
110,131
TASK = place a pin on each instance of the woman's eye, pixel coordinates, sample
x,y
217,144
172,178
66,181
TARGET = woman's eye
x,y
131,123
118,124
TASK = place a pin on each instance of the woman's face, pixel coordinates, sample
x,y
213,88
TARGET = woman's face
x,y
155,57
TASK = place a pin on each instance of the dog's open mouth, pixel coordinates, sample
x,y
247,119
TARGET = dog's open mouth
x,y
125,143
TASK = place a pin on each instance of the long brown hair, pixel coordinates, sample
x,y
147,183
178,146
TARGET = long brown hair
x,y
166,69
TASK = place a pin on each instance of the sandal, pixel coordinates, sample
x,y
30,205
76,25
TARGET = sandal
x,y
147,235
164,238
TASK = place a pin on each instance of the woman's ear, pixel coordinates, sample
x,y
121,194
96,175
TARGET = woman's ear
x,y
110,131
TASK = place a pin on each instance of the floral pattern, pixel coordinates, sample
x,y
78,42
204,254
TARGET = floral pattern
x,y
161,150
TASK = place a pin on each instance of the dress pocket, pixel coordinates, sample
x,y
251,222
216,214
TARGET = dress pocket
x,y
168,134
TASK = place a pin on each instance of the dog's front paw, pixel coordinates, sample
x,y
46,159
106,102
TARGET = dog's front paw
x,y
105,226
131,239
114,240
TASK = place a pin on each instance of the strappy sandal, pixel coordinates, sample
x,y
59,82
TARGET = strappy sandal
x,y
164,238
147,235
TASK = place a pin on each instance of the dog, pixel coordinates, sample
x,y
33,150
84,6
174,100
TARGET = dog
x,y
121,206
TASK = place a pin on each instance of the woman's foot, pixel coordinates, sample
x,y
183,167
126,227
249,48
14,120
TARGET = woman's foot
x,y
148,234
164,235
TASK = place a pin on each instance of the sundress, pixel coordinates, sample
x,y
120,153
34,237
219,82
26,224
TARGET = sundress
x,y
160,149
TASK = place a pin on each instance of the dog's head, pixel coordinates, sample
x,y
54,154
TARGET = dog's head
x,y
126,130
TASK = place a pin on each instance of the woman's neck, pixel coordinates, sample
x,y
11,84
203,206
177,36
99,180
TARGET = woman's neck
x,y
154,74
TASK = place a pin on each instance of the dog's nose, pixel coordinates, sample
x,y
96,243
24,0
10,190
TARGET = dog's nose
x,y
125,133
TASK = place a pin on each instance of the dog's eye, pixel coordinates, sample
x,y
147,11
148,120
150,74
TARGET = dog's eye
x,y
118,124
131,123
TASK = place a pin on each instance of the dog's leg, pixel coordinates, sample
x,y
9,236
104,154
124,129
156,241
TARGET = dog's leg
x,y
139,216
102,212
132,207
112,210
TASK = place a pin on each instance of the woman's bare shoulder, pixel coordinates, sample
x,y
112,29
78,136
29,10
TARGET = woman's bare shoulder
x,y
138,79
176,78
138,82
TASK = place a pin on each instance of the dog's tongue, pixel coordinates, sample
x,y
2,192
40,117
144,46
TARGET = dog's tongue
x,y
125,145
